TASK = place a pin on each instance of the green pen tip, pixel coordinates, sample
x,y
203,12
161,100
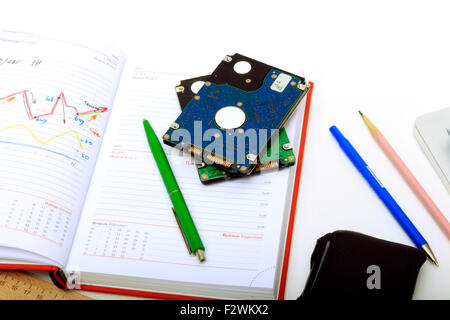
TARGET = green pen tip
x,y
200,255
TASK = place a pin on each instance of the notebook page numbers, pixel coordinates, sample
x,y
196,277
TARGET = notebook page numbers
x,y
38,219
116,241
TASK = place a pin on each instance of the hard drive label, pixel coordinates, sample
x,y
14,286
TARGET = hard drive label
x,y
281,82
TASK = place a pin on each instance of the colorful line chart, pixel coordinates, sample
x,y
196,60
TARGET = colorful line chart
x,y
55,102
60,98
48,112
40,148
77,136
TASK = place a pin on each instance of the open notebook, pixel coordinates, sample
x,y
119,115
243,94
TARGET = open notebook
x,y
80,191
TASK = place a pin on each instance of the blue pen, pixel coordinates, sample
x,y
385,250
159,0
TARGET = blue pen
x,y
383,194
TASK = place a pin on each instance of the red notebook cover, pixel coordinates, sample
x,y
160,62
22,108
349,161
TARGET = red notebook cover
x,y
60,281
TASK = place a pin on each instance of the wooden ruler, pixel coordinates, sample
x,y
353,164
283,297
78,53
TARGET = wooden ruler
x,y
19,285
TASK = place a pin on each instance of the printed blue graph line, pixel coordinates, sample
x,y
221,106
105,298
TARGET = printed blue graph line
x,y
40,148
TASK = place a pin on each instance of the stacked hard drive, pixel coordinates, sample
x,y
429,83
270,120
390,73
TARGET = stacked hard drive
x,y
232,121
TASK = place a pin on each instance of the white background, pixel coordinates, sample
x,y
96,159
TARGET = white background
x,y
389,59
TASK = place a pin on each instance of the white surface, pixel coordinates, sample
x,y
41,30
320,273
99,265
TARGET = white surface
x,y
389,59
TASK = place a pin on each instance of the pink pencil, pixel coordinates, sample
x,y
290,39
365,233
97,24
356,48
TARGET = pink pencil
x,y
420,192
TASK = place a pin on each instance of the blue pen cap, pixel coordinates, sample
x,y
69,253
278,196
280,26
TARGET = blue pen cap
x,y
336,133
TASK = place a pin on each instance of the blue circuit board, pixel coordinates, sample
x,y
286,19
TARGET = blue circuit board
x,y
265,109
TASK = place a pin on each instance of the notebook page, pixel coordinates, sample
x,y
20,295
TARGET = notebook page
x,y
55,99
127,226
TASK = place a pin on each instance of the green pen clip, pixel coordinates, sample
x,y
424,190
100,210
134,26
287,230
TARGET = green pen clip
x,y
182,233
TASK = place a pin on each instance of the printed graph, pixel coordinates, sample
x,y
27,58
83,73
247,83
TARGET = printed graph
x,y
55,101
60,100
53,125
77,136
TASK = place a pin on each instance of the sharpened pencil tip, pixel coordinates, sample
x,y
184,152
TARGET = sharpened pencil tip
x,y
373,130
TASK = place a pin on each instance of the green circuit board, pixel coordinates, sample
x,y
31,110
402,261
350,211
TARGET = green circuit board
x,y
283,157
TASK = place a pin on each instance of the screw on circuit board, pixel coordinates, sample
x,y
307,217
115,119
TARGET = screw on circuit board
x,y
302,86
201,165
287,146
227,59
251,157
174,126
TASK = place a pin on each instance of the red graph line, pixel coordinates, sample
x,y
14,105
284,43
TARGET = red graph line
x,y
62,97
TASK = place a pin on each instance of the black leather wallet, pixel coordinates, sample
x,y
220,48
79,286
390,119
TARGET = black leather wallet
x,y
348,264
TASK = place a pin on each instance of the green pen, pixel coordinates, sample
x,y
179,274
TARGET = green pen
x,y
180,209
